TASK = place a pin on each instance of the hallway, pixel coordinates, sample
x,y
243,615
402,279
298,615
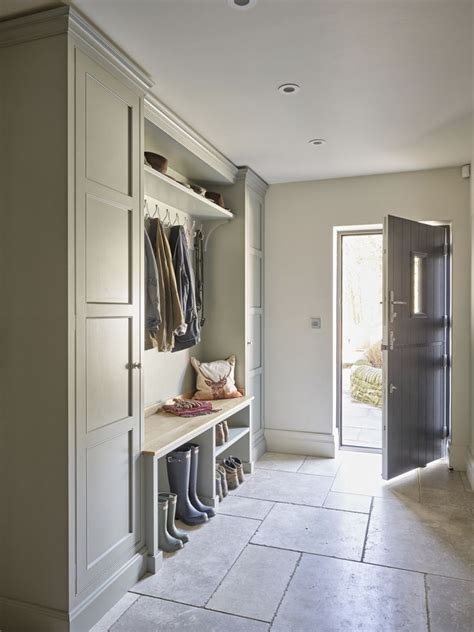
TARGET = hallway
x,y
319,545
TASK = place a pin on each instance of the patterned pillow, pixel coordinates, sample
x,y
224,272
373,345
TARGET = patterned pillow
x,y
215,380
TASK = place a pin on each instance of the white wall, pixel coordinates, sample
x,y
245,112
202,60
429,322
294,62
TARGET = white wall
x,y
300,218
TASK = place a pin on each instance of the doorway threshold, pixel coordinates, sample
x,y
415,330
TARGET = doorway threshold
x,y
358,448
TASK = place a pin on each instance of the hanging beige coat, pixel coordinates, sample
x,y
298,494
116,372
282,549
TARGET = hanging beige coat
x,y
172,318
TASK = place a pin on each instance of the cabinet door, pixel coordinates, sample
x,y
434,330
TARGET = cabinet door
x,y
255,313
108,246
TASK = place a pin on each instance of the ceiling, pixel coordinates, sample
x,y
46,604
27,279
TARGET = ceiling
x,y
388,83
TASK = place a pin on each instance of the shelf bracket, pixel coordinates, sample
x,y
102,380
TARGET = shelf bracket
x,y
214,226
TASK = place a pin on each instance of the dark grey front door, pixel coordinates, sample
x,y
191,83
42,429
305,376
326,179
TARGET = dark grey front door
x,y
415,344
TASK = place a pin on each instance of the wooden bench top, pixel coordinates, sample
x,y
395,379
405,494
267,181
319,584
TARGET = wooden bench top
x,y
164,432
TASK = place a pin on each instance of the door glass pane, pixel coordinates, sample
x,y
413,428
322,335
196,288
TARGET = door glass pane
x,y
417,283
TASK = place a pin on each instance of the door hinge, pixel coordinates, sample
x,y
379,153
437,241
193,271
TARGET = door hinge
x,y
445,360
445,432
446,249
445,321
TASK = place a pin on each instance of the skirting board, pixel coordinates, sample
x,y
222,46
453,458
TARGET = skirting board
x,y
470,468
305,443
18,616
457,456
259,448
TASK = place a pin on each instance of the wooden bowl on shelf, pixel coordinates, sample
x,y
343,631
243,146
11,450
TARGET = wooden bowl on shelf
x,y
157,162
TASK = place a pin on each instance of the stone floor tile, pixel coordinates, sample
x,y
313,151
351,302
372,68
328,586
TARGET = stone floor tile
x,y
245,507
192,574
256,583
280,461
313,530
437,475
330,595
286,487
320,466
348,502
421,537
457,498
156,615
115,613
361,473
450,604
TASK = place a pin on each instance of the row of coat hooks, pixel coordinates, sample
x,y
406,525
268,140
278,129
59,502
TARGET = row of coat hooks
x,y
189,226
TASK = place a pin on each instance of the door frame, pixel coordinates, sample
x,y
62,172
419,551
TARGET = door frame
x,y
340,233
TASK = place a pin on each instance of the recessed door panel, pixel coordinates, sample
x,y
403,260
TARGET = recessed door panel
x,y
256,341
108,133
256,405
109,510
255,281
256,224
108,229
108,373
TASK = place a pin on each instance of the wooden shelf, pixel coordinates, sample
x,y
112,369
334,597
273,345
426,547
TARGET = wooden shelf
x,y
172,193
234,435
165,432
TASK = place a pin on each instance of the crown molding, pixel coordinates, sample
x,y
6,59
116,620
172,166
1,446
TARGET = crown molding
x,y
66,20
166,120
253,180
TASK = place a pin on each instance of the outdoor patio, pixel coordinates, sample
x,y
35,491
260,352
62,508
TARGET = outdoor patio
x,y
361,423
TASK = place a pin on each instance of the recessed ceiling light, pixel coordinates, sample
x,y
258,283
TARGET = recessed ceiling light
x,y
289,88
242,4
317,141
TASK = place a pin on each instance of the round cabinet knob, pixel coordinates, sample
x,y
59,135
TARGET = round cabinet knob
x,y
136,365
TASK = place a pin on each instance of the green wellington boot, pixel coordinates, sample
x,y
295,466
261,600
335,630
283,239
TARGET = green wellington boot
x,y
166,542
170,523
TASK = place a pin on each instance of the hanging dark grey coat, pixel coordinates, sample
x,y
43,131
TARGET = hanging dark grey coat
x,y
152,294
186,289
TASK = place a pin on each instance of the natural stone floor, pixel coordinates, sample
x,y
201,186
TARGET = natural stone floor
x,y
323,545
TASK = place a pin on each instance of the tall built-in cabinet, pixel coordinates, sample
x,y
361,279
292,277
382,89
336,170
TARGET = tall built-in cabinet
x,y
71,181
234,273
74,125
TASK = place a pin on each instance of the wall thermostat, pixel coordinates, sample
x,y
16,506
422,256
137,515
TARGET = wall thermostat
x,y
316,322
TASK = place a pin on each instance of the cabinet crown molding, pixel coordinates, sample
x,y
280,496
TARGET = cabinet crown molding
x,y
165,119
66,20
253,180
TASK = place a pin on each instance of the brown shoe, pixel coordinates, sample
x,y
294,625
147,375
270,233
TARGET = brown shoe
x,y
239,466
231,474
225,427
220,437
220,470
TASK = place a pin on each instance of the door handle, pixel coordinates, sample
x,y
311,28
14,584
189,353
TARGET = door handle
x,y
135,365
392,388
393,313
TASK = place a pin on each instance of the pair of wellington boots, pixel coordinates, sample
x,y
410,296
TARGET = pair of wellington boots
x,y
234,471
182,465
170,538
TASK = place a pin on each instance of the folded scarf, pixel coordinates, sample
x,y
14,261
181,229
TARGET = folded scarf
x,y
189,408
